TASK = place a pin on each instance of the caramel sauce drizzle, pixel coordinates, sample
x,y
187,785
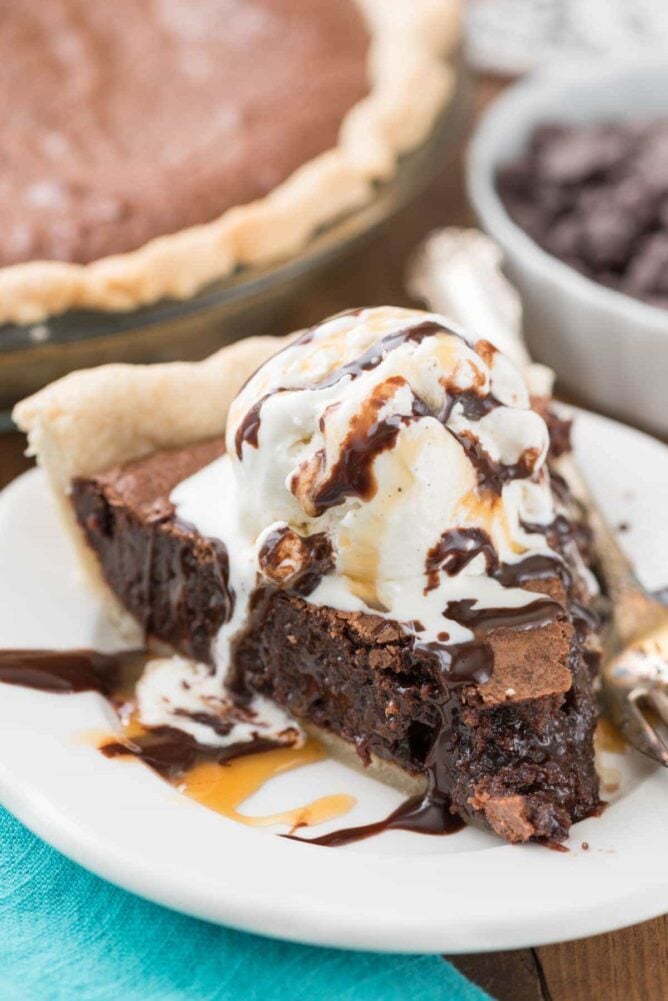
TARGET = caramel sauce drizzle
x,y
224,788
359,557
486,511
608,738
219,778
225,785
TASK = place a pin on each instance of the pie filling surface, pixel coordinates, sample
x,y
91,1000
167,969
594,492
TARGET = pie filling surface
x,y
125,121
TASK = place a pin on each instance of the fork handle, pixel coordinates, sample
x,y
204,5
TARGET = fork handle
x,y
634,611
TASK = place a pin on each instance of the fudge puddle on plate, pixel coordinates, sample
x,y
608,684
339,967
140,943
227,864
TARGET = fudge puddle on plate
x,y
361,536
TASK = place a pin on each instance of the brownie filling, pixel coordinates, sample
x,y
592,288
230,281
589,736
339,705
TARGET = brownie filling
x,y
525,768
172,580
512,751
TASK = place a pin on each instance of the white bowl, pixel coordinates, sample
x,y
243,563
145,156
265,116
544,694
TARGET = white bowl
x,y
607,348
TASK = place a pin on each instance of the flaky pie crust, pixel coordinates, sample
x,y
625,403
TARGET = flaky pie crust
x,y
96,418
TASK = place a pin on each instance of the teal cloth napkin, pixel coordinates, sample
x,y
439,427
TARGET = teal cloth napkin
x,y
66,935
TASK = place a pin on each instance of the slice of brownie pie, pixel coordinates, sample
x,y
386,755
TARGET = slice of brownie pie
x,y
365,526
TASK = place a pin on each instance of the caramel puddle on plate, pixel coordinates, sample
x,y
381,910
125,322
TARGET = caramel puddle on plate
x,y
608,738
225,787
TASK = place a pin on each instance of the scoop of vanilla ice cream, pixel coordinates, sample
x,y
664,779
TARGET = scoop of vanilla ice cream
x,y
382,429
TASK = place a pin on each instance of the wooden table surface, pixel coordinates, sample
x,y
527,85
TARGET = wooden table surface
x,y
628,965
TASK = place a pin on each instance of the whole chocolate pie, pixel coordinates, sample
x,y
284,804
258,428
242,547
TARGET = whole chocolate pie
x,y
369,529
150,148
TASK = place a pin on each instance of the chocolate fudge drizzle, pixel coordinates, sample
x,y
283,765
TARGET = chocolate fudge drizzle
x,y
352,474
167,750
460,664
456,548
534,615
68,671
374,355
420,814
492,473
367,438
172,752
248,430
249,427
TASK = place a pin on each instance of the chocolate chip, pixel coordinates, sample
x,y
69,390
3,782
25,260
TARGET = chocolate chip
x,y
596,196
648,272
579,155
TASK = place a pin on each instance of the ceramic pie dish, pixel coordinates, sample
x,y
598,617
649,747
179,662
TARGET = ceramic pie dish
x,y
258,298
141,182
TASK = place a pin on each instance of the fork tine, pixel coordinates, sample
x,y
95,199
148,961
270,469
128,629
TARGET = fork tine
x,y
640,732
658,701
627,715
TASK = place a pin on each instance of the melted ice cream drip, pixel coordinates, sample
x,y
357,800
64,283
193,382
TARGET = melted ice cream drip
x,y
185,695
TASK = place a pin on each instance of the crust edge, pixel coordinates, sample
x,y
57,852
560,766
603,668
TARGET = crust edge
x,y
387,772
96,418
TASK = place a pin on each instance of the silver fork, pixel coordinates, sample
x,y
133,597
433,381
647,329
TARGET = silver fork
x,y
459,273
634,675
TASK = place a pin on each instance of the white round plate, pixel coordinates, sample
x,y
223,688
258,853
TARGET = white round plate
x,y
398,891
